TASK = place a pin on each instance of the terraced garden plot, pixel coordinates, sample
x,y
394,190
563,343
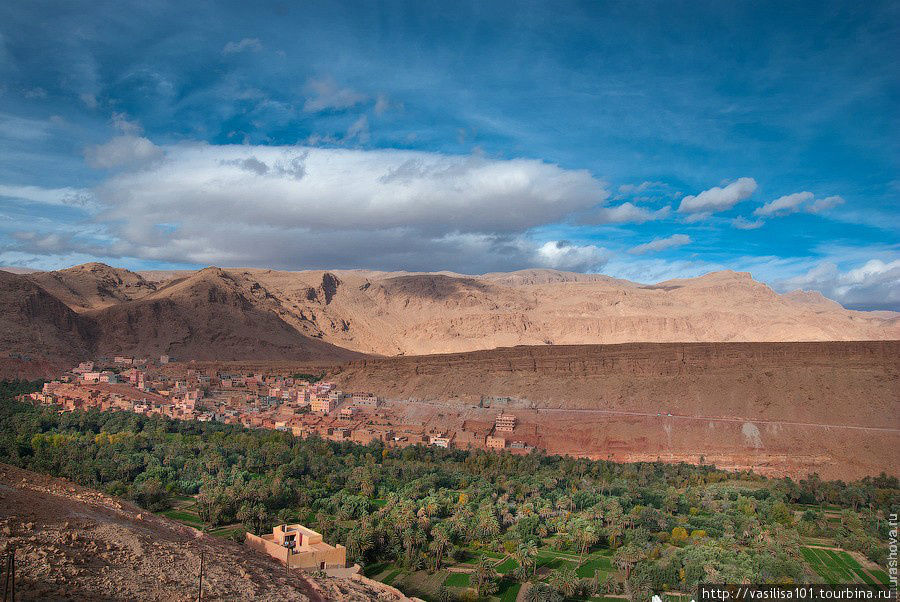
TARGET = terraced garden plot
x,y
852,566
837,566
508,590
594,563
554,562
472,556
507,566
226,532
378,568
189,518
881,576
390,577
421,584
457,580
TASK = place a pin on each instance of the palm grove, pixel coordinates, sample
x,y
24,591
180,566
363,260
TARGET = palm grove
x,y
668,527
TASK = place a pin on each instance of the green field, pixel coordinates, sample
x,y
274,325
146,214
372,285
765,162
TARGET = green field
x,y
188,518
594,563
508,590
457,580
837,566
881,576
507,566
389,579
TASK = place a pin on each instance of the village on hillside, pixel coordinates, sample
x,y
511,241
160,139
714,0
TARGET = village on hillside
x,y
301,404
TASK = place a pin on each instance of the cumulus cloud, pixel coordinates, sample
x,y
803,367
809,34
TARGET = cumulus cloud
x,y
563,255
294,206
624,213
660,244
243,45
820,205
122,151
325,94
717,198
42,243
796,202
873,285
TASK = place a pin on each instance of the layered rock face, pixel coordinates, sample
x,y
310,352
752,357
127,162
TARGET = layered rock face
x,y
777,408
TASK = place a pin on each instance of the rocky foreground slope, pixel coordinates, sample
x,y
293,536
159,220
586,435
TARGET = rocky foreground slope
x,y
230,314
74,543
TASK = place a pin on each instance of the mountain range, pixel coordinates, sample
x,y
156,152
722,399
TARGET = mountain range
x,y
237,313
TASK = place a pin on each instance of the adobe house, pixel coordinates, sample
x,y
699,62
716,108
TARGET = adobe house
x,y
299,547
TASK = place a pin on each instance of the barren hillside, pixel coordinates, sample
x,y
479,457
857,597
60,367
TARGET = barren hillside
x,y
34,322
75,543
246,314
93,285
390,314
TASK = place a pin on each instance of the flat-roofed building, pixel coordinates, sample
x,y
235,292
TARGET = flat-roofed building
x,y
299,547
505,423
324,404
364,400
495,442
439,440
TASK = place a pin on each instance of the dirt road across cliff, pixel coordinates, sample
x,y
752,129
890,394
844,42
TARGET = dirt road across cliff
x,y
721,419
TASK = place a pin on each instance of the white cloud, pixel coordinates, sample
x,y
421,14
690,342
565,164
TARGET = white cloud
x,y
358,130
873,285
308,206
246,44
718,199
783,205
123,151
660,244
624,213
563,255
326,94
741,223
77,197
796,202
825,204
636,188
382,104
124,125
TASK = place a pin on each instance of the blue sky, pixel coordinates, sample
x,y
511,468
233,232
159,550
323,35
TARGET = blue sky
x,y
645,140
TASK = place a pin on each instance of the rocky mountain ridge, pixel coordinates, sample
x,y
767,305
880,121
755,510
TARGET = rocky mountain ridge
x,y
239,313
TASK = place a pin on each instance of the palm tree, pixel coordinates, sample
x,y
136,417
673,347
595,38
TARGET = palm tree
x,y
359,542
541,592
484,575
524,555
412,538
586,537
566,581
626,557
440,542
